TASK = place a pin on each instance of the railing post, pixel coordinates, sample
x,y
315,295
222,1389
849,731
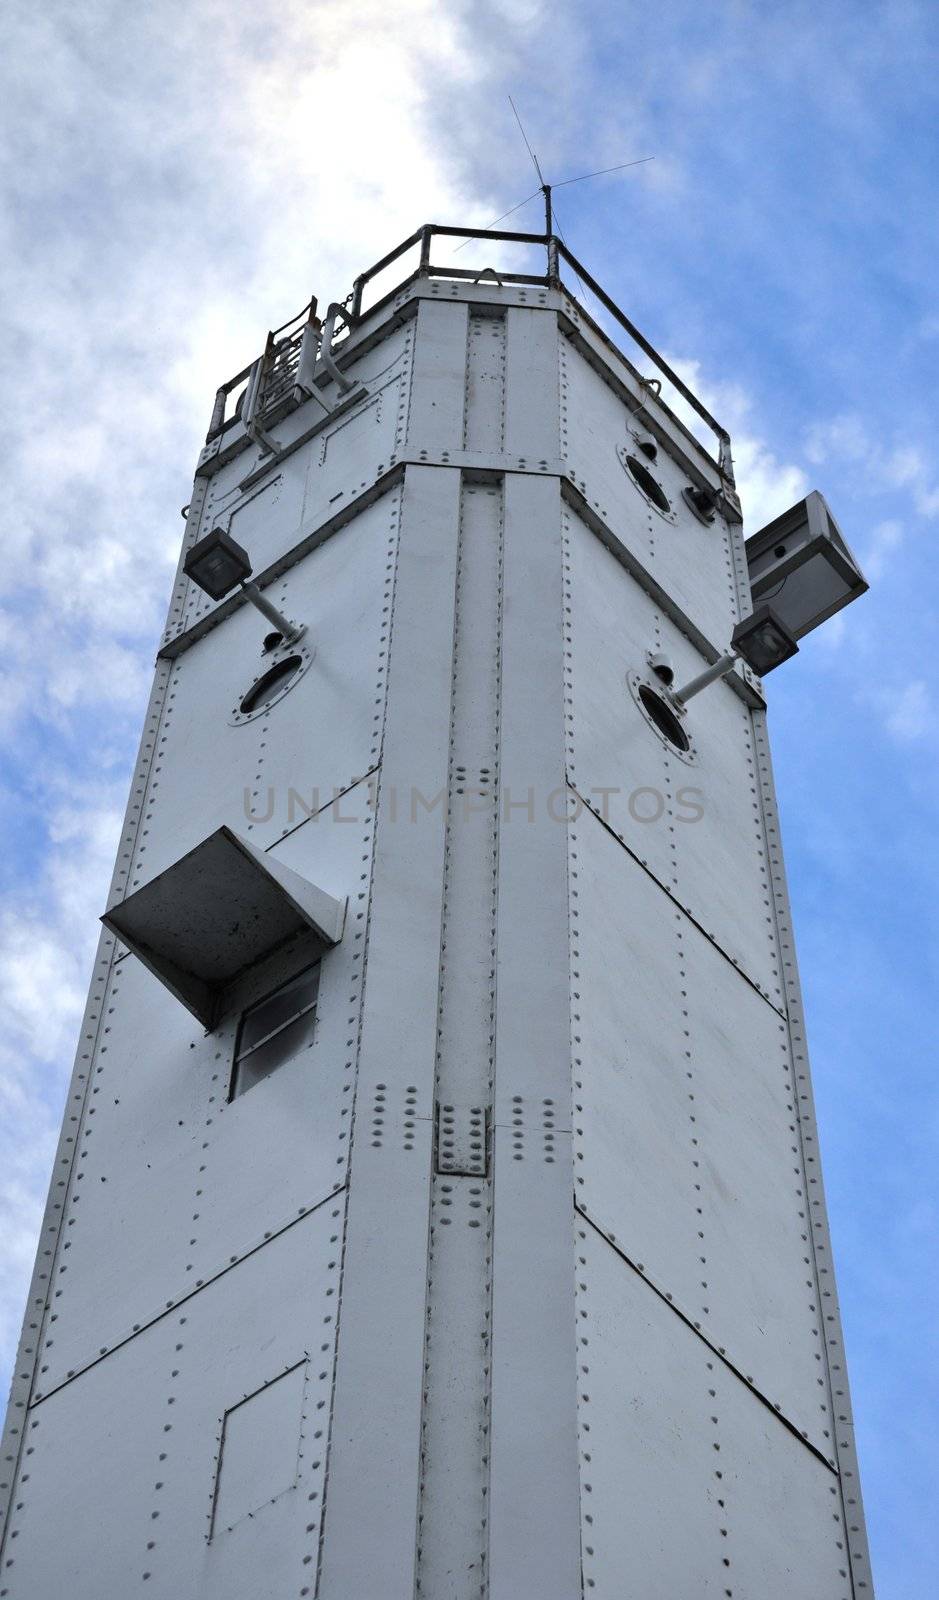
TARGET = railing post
x,y
426,236
218,413
554,270
726,461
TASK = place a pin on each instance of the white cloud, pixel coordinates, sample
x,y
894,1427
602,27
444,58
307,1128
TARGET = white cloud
x,y
883,466
48,934
910,713
906,710
885,539
845,438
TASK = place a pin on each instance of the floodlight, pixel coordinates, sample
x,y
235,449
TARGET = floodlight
x,y
801,564
218,564
763,640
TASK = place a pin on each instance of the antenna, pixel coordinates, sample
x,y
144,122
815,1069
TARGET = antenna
x,y
545,187
552,219
549,211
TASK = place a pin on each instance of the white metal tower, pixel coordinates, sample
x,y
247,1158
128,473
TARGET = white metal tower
x,y
438,1208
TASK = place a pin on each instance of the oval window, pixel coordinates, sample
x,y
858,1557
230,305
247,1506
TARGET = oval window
x,y
650,486
271,683
662,717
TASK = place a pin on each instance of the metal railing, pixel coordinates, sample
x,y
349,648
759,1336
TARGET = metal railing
x,y
280,378
270,381
556,252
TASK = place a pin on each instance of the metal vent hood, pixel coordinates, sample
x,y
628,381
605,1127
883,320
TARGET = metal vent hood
x,y
216,924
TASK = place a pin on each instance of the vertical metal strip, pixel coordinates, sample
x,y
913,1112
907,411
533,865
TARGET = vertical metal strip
x,y
453,1517
484,406
535,1492
368,1548
857,1552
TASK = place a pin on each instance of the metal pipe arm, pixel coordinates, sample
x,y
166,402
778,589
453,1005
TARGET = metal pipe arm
x,y
720,669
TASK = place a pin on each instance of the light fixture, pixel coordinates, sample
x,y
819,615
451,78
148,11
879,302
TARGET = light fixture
x,y
218,564
801,565
762,640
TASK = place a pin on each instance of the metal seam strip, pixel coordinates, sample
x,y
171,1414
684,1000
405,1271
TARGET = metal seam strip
x,y
383,676
819,1239
463,1430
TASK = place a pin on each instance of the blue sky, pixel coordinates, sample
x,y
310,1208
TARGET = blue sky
x,y
178,177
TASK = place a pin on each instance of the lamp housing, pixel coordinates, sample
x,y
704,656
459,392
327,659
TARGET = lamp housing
x,y
763,640
801,565
218,564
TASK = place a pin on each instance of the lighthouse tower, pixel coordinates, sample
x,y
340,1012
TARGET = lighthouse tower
x,y
438,1211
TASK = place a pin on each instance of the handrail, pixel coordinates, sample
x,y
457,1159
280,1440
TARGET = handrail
x,y
556,251
643,343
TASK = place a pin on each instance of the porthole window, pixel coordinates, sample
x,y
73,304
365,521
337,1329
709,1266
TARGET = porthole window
x,y
270,683
279,676
646,481
661,715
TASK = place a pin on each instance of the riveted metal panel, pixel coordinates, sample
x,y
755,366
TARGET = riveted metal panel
x,y
123,1459
533,1522
461,1147
438,389
259,1450
265,775
162,1139
531,399
264,518
693,561
484,410
370,1536
693,820
691,1485
686,1148
354,449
